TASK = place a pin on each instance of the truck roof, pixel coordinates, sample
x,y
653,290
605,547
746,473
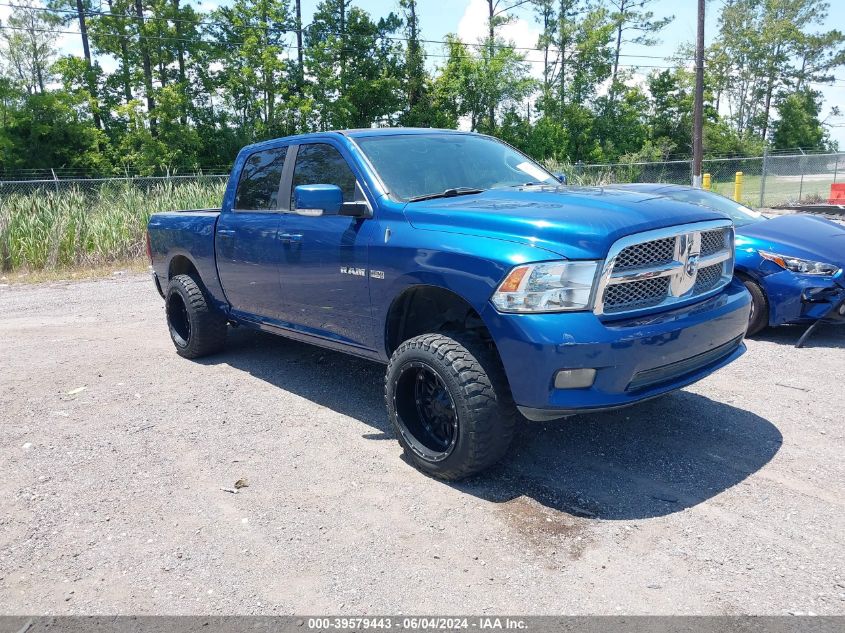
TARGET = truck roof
x,y
356,133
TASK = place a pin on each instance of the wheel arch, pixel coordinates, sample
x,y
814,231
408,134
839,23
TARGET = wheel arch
x,y
181,264
422,308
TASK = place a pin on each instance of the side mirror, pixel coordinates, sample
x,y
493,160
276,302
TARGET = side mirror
x,y
561,177
317,200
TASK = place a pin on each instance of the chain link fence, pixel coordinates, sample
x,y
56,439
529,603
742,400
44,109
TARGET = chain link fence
x,y
768,181
99,186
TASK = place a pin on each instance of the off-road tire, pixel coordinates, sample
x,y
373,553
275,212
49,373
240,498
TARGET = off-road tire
x,y
474,378
206,327
759,317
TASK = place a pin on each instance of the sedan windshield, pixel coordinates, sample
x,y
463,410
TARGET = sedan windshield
x,y
740,214
417,166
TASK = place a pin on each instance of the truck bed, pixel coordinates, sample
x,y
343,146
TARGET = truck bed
x,y
190,233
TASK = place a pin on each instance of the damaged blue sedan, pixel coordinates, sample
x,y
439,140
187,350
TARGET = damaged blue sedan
x,y
791,264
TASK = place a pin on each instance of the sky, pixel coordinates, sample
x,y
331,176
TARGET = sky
x,y
467,18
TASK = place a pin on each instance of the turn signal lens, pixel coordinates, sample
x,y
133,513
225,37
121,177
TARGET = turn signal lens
x,y
514,278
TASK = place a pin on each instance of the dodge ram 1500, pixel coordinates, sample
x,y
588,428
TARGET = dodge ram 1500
x,y
487,288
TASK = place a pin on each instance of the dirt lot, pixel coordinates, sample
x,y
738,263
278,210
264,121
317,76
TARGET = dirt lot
x,y
723,498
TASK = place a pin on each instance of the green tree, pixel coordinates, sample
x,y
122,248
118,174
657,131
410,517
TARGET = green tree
x,y
112,34
472,84
49,129
577,54
633,23
670,114
772,49
622,125
78,10
173,146
798,125
256,71
356,66
28,46
418,89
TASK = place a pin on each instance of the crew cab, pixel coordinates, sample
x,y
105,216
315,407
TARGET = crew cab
x,y
487,288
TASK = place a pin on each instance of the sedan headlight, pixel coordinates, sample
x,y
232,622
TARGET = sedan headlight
x,y
798,265
547,287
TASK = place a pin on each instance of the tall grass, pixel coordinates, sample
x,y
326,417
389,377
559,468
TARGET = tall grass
x,y
50,229
574,177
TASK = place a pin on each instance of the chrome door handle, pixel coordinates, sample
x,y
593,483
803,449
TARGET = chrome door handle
x,y
290,238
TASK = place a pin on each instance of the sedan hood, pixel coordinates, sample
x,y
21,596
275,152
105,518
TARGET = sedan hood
x,y
577,223
799,235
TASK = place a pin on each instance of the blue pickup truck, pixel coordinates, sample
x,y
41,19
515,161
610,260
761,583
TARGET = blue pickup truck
x,y
487,288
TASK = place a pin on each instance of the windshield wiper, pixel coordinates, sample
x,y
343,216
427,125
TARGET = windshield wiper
x,y
449,193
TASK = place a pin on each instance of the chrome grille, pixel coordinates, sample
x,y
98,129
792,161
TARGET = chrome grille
x,y
635,295
712,242
666,266
707,277
646,254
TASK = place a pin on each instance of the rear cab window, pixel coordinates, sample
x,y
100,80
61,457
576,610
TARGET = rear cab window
x,y
261,176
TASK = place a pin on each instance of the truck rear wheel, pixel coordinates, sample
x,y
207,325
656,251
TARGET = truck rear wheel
x,y
195,327
449,404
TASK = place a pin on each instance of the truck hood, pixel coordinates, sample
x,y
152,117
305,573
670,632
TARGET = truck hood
x,y
804,236
577,223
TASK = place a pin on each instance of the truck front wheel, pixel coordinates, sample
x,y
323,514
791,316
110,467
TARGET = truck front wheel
x,y
195,327
449,404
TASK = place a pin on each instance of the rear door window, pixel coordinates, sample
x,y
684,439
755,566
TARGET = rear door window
x,y
322,164
258,187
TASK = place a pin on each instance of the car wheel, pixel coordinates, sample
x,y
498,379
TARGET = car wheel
x,y
759,317
449,404
196,329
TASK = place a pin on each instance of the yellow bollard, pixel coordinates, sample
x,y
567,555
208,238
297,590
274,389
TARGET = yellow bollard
x,y
705,182
738,186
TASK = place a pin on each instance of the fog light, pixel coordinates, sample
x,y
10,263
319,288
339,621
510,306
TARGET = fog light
x,y
842,309
575,378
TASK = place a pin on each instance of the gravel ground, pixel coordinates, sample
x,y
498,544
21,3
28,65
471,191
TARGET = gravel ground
x,y
723,498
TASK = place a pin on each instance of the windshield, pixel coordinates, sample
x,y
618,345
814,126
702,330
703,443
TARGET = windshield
x,y
739,213
416,165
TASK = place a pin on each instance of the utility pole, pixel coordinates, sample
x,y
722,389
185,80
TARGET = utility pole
x,y
301,67
698,116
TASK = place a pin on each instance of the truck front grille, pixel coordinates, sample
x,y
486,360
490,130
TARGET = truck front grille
x,y
646,254
707,278
667,266
637,294
713,241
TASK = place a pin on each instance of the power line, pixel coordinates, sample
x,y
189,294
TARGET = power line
x,y
135,36
133,21
139,36
134,18
132,36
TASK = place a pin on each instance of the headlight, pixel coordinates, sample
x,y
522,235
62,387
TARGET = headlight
x,y
547,287
798,265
